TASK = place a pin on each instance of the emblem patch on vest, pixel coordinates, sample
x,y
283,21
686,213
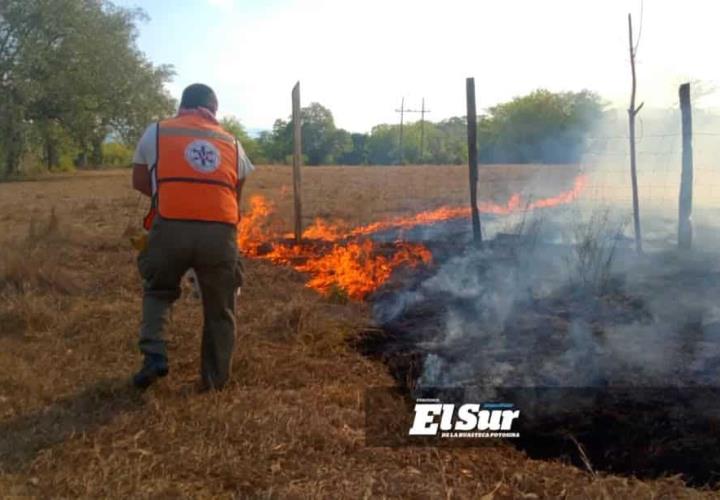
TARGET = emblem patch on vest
x,y
202,156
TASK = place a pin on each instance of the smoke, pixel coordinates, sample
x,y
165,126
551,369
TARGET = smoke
x,y
557,296
562,301
558,314
659,149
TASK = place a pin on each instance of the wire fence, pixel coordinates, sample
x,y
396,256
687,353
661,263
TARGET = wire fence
x,y
606,163
606,182
659,169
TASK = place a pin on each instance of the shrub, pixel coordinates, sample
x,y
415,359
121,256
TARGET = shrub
x,y
116,154
594,252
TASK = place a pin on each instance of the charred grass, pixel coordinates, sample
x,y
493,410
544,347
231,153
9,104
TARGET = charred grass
x,y
291,422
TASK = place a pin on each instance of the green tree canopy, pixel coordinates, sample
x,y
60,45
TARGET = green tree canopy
x,y
541,127
322,142
71,75
252,148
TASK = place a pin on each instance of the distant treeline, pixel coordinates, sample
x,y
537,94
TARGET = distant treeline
x,y
76,91
541,127
72,77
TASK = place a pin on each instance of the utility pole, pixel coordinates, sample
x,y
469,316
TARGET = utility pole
x,y
402,117
422,128
403,110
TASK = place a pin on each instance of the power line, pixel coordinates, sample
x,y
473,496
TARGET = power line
x,y
402,112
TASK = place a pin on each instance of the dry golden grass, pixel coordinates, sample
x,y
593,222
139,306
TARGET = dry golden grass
x,y
291,422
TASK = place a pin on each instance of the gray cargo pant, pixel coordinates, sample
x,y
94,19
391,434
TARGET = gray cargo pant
x,y
211,249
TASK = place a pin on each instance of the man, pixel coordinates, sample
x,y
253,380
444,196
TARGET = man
x,y
194,171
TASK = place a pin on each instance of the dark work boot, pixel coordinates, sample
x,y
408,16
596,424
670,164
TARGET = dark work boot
x,y
154,366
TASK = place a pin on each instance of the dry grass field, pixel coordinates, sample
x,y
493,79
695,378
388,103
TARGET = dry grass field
x,y
291,422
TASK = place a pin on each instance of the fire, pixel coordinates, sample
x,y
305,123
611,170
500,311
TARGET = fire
x,y
356,269
253,230
324,230
337,257
354,266
514,204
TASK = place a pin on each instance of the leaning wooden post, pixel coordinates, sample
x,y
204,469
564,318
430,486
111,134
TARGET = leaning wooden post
x,y
686,178
472,157
632,112
297,159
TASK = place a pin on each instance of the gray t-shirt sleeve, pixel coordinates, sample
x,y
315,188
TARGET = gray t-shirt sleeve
x,y
245,167
146,150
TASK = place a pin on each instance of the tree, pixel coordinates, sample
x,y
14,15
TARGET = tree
x,y
57,85
445,143
450,146
322,142
251,147
357,155
383,144
541,127
276,145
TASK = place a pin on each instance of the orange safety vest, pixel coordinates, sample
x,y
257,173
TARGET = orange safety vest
x,y
195,175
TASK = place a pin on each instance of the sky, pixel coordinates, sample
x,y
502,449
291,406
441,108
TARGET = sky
x,y
359,58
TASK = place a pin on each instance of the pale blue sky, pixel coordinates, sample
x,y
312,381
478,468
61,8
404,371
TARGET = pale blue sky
x,y
360,57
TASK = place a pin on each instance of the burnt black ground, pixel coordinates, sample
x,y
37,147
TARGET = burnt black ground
x,y
644,405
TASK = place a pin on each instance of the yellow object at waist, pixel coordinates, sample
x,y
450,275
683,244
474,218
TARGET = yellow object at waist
x,y
139,242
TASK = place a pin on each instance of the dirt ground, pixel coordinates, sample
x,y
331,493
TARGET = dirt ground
x,y
291,422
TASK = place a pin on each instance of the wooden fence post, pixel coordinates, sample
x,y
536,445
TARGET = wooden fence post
x,y
472,157
297,160
686,178
632,112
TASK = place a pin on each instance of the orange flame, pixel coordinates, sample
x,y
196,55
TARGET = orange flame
x,y
346,259
253,230
356,269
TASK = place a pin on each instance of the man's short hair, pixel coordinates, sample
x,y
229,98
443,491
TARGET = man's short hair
x,y
199,95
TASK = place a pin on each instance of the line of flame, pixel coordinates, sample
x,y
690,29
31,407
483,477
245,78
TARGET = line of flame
x,y
347,259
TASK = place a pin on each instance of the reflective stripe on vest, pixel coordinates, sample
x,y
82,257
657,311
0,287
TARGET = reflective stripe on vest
x,y
196,171
191,132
